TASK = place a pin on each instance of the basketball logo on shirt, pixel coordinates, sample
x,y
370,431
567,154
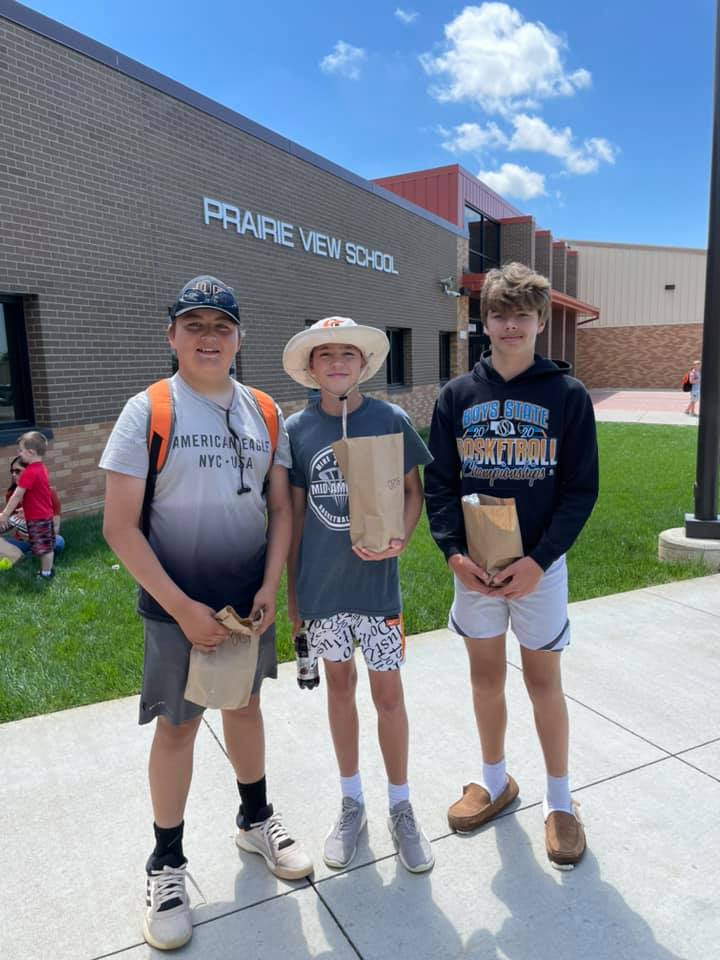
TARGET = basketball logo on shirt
x,y
327,491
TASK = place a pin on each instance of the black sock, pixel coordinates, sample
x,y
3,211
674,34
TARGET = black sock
x,y
168,850
254,807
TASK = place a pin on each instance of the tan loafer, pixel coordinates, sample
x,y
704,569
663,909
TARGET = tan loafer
x,y
475,807
564,838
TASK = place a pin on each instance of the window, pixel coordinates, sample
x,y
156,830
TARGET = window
x,y
16,409
396,366
484,235
445,341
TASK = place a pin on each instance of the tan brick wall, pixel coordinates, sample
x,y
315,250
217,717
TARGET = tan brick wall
x,y
633,357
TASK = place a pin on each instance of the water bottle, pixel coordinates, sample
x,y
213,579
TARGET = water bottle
x,y
308,675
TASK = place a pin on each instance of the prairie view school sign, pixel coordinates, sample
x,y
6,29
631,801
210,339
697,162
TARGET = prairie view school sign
x,y
262,227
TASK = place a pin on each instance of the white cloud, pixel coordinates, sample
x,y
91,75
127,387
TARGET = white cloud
x,y
496,59
406,16
472,138
345,60
533,134
512,180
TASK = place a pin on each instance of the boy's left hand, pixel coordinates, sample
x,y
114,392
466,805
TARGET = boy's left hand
x,y
264,602
518,580
394,550
4,524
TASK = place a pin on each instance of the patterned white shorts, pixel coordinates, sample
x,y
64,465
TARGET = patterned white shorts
x,y
382,639
539,620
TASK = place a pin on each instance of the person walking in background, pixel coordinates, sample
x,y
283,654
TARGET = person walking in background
x,y
694,381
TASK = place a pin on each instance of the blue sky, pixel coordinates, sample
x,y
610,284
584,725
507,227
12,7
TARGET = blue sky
x,y
594,118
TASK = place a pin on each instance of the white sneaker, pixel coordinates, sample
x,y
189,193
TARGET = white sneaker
x,y
284,856
167,923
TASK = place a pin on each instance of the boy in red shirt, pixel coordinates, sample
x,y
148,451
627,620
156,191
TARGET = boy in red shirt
x,y
33,492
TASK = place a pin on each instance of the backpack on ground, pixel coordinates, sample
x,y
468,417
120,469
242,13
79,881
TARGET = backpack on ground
x,y
685,385
161,426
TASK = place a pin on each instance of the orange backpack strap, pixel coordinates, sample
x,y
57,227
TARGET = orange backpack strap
x,y
266,406
161,423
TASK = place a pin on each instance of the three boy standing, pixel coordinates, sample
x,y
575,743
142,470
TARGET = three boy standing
x,y
339,593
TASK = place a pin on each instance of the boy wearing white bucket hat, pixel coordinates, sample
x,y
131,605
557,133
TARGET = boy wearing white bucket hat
x,y
342,593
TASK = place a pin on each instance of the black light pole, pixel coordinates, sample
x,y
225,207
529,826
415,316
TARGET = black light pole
x,y
705,523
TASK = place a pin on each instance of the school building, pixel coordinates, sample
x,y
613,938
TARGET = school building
x,y
117,184
651,304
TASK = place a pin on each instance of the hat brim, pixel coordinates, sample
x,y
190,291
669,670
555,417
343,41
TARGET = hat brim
x,y
205,306
373,344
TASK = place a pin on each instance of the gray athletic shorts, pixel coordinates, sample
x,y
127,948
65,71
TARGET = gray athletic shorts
x,y
165,670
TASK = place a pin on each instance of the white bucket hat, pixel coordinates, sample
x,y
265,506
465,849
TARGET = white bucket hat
x,y
373,343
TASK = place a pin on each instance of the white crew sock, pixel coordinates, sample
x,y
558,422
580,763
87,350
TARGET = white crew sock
x,y
352,787
397,792
557,795
494,778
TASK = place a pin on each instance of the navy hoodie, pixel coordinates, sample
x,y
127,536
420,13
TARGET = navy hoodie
x,y
531,438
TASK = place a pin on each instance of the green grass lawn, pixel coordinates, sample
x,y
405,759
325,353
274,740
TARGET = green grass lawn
x,y
77,639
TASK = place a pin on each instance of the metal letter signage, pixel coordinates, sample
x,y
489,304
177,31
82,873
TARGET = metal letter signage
x,y
262,227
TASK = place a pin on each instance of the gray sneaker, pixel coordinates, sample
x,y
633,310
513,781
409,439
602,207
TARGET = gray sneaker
x,y
410,842
341,842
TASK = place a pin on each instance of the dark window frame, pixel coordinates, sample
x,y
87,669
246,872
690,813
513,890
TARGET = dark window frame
x,y
395,365
481,258
444,355
19,361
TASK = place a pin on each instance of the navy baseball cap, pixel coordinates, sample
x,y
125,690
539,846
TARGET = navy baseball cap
x,y
206,291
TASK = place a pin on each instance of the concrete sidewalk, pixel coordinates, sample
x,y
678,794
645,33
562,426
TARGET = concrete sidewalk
x,y
642,678
643,406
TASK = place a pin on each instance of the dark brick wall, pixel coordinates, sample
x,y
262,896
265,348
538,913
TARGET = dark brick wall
x,y
642,356
543,253
559,266
571,273
101,183
517,240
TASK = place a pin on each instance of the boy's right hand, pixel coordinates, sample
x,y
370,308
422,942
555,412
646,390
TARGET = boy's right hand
x,y
471,575
200,627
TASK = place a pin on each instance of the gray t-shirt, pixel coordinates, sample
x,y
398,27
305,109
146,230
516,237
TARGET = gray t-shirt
x,y
331,578
210,540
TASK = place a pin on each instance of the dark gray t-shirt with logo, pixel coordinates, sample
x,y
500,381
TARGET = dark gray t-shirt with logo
x,y
331,578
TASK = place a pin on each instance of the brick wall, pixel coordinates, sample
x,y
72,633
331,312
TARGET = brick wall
x,y
543,253
559,265
632,357
101,196
517,240
571,273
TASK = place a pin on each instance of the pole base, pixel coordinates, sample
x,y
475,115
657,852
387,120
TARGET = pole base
x,y
675,547
701,529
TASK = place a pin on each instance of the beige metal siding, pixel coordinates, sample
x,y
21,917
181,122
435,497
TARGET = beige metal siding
x,y
627,283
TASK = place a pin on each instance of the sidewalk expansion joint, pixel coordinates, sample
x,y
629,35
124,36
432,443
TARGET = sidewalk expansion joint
x,y
653,591
341,928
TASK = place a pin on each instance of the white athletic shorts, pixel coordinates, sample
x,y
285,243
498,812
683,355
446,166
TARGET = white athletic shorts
x,y
382,639
539,620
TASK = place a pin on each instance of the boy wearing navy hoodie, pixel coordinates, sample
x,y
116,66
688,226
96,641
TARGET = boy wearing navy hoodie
x,y
516,426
